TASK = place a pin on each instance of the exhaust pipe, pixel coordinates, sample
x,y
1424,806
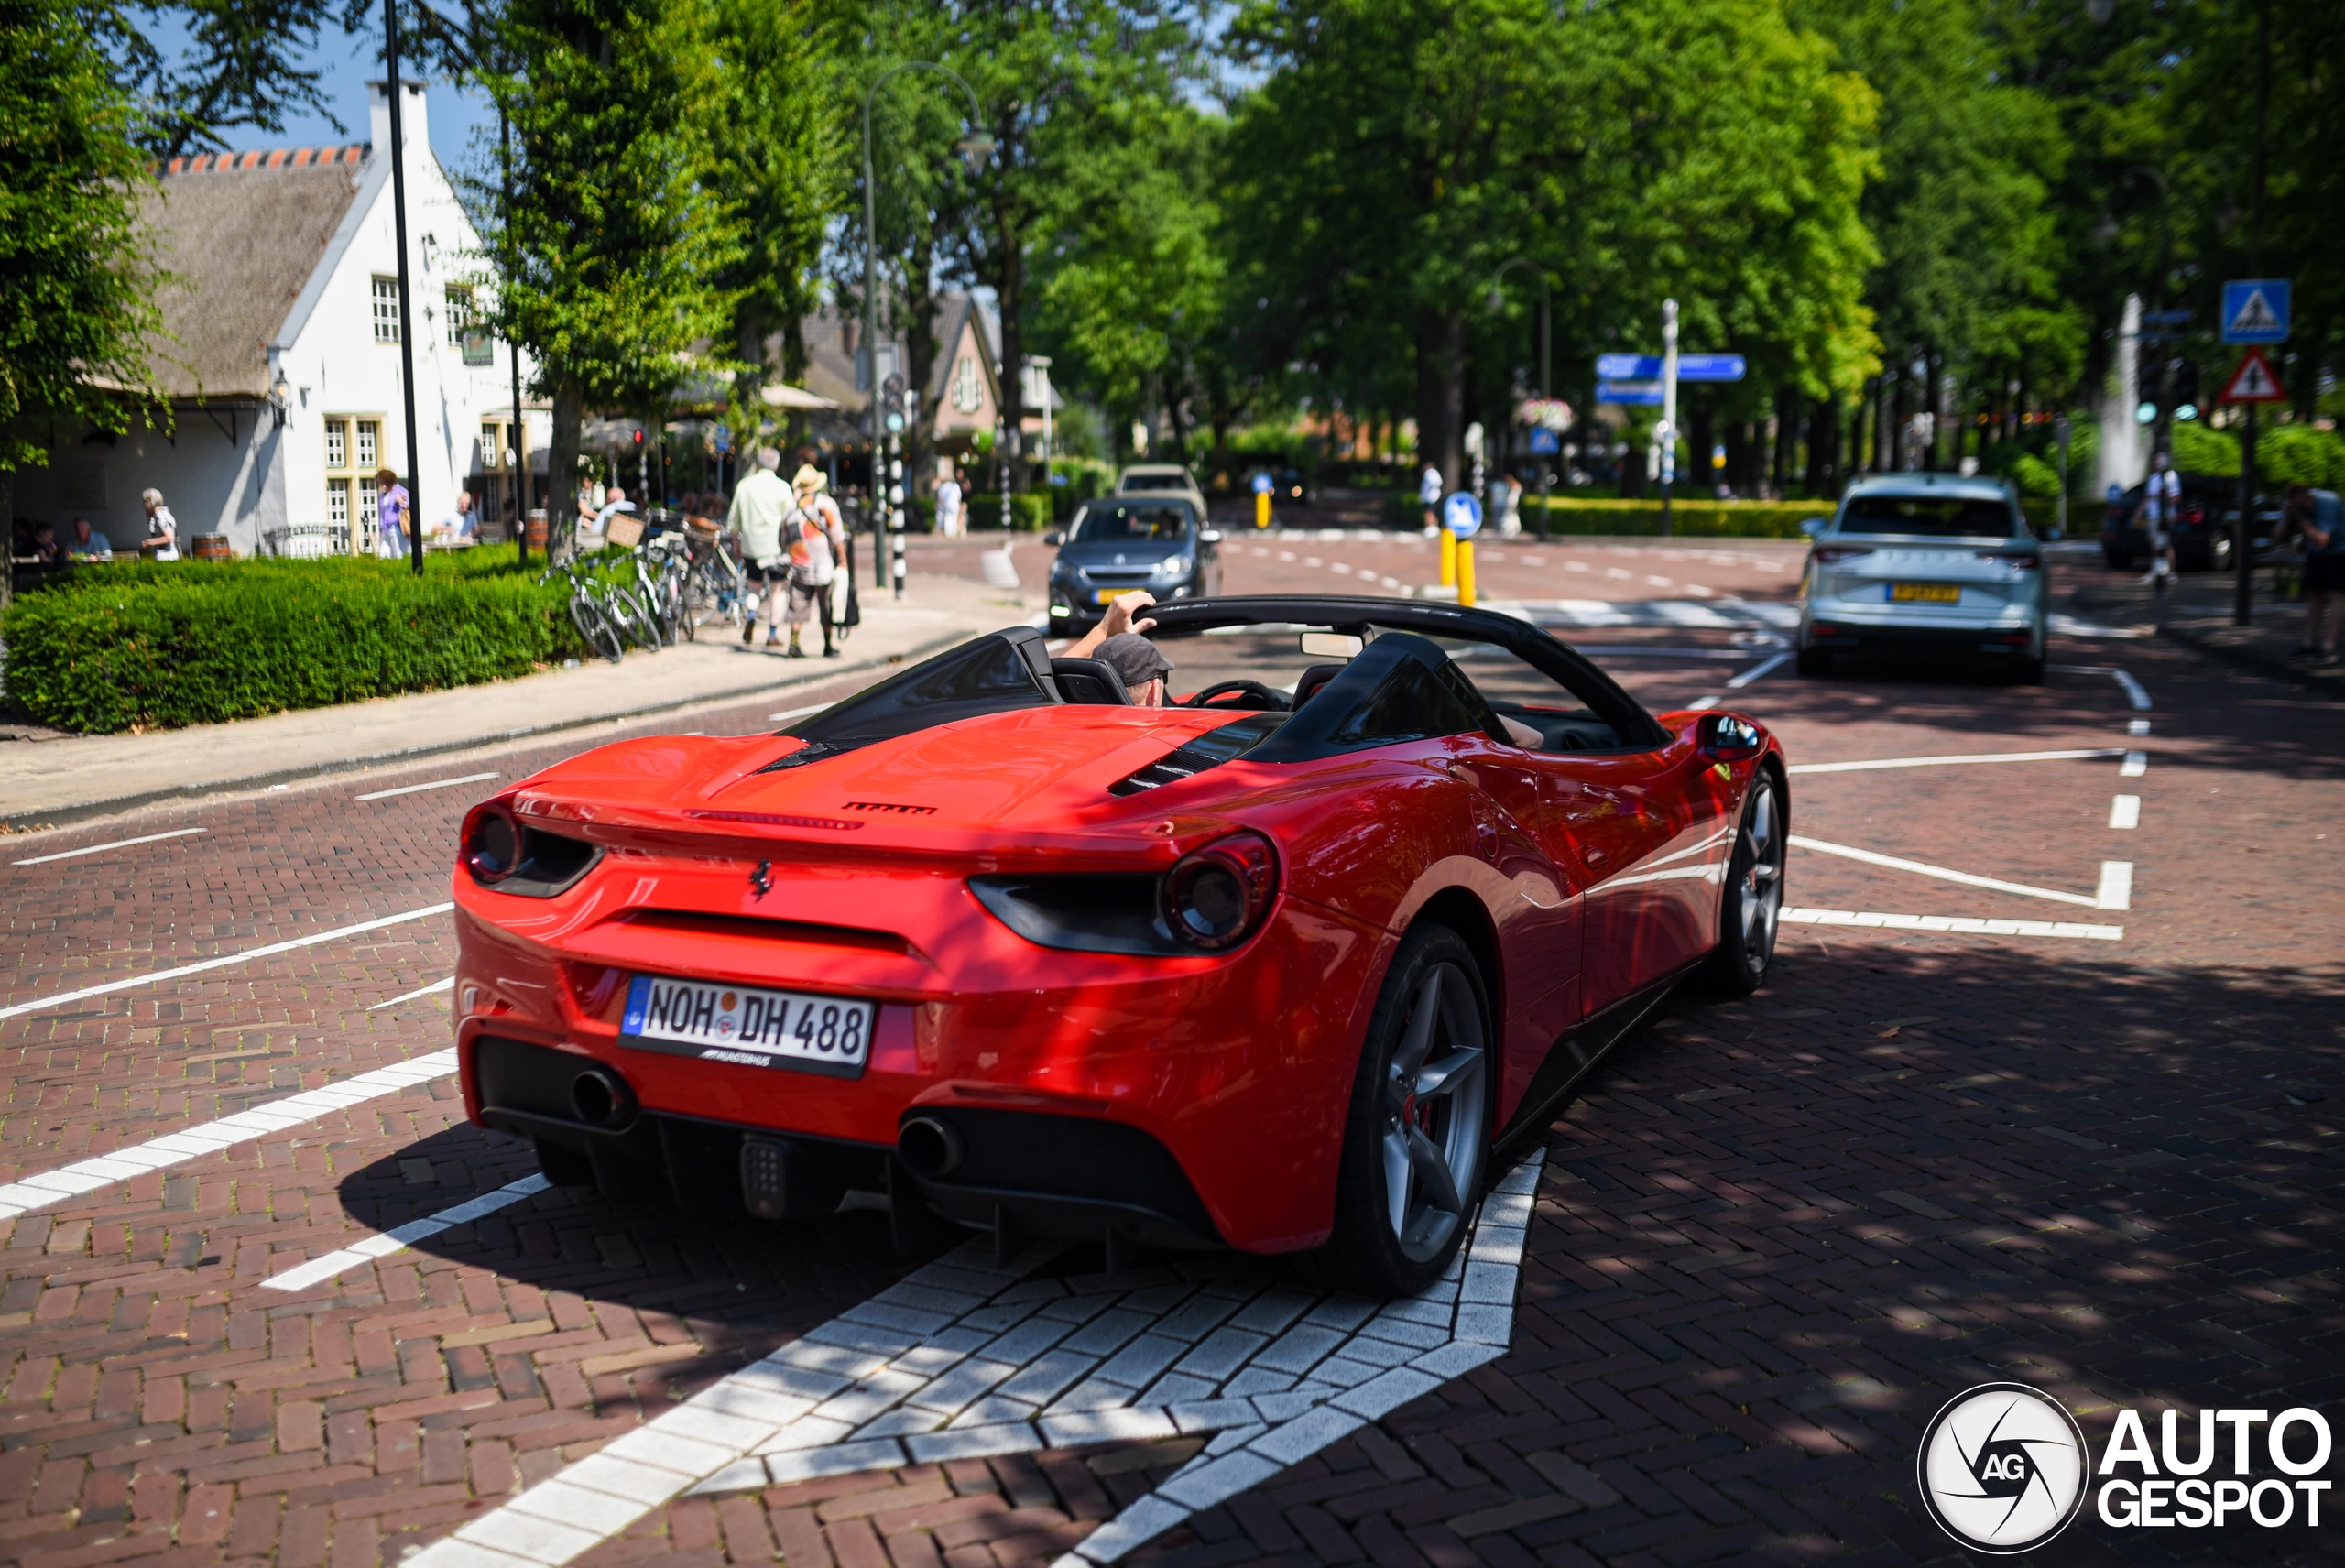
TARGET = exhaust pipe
x,y
602,1098
930,1148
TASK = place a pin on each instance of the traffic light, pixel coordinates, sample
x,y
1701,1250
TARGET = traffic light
x,y
891,404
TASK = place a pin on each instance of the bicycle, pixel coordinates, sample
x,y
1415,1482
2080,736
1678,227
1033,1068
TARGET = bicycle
x,y
587,613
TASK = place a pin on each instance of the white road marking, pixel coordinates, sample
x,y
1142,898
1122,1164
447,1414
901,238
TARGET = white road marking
x,y
1286,555
1949,761
102,848
437,985
1964,924
1575,566
2136,763
2137,726
789,713
1756,670
223,962
420,789
21,1197
2135,695
1922,868
1659,582
967,1359
2125,811
319,1269
1699,591
2116,885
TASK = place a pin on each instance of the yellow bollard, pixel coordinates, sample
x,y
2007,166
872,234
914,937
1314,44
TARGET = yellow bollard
x,y
1448,559
1261,510
1466,571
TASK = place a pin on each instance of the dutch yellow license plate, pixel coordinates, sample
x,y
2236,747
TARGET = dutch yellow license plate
x,y
1107,595
1924,594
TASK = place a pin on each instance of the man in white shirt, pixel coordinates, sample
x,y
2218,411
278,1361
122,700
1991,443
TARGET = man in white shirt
x,y
1429,497
948,502
2161,508
760,502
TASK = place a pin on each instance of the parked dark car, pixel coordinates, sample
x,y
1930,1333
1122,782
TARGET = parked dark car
x,y
1118,543
2202,534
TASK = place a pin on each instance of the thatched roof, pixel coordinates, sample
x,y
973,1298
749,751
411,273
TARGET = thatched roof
x,y
241,232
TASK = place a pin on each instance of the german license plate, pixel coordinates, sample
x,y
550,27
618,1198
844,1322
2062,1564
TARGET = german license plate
x,y
746,1027
1107,595
1924,594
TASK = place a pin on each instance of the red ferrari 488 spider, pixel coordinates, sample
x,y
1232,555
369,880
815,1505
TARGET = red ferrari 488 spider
x,y
1271,968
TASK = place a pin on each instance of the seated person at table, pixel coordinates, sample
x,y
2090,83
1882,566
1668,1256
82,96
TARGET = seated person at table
x,y
45,548
87,544
460,527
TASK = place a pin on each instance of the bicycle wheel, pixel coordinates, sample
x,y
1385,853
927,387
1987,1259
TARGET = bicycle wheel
x,y
713,595
673,581
594,626
633,619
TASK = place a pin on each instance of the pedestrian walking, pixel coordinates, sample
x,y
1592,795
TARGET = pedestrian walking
x,y
1429,497
394,516
948,501
162,541
1502,507
761,503
2161,504
817,538
2317,517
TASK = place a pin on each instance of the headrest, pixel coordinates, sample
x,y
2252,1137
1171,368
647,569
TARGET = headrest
x,y
1318,675
1090,680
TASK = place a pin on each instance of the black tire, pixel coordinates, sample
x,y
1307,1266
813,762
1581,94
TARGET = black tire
x,y
632,618
1751,907
595,626
1419,1122
1815,661
2119,559
2028,672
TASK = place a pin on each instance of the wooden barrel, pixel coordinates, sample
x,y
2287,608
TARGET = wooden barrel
x,y
213,547
537,528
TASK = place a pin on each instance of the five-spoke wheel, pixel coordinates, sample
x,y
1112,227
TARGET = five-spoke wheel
x,y
1754,901
1420,1121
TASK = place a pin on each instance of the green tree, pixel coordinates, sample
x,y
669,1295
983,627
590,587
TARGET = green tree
x,y
77,306
609,258
777,159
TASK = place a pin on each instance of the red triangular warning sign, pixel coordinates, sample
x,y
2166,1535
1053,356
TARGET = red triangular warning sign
x,y
2253,381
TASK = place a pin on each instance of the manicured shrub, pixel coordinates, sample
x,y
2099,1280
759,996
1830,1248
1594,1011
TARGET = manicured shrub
x,y
162,644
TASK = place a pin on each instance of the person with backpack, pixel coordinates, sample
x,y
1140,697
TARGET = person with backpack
x,y
816,537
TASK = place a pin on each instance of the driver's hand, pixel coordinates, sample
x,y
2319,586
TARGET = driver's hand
x,y
1121,613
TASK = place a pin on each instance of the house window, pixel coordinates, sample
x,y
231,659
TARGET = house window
x,y
387,310
460,312
352,444
337,445
967,392
369,500
338,501
370,441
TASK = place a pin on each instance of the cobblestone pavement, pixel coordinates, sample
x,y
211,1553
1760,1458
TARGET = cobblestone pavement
x,y
1769,1241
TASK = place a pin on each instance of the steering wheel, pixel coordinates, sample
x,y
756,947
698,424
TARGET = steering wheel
x,y
1251,695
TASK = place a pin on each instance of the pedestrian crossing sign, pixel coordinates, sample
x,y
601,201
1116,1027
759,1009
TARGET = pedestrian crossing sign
x,y
2256,310
2253,381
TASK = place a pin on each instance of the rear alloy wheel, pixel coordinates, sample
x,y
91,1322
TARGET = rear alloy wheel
x,y
1753,901
1418,1128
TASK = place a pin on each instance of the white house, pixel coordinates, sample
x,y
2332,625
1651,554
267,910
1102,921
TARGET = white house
x,y
282,361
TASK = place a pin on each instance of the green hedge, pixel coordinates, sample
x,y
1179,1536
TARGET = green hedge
x,y
161,644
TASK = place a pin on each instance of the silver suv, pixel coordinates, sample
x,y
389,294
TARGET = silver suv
x,y
1924,560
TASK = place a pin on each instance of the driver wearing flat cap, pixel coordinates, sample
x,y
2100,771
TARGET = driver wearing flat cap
x,y
1116,642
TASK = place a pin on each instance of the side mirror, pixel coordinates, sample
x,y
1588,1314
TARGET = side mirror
x,y
1054,538
1210,536
1812,527
1728,738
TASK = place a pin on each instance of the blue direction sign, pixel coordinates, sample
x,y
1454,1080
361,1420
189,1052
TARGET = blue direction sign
x,y
1462,514
1544,441
2256,310
1261,484
1690,367
1637,394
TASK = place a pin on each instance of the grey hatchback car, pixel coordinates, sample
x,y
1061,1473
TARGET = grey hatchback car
x,y
1924,560
1118,543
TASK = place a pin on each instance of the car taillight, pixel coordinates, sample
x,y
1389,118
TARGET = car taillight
x,y
492,843
2018,560
1841,552
1215,897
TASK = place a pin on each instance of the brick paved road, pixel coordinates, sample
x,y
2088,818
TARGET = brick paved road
x,y
1770,1242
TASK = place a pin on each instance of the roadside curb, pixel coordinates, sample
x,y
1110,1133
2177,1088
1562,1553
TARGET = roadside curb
x,y
66,816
